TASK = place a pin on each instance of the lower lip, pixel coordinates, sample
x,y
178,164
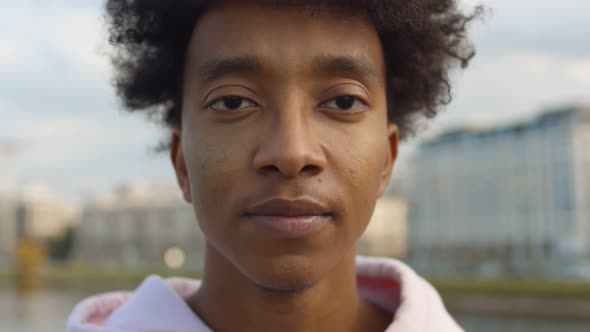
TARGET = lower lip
x,y
289,227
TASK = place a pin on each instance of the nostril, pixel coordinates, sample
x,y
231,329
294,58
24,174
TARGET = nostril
x,y
305,170
269,169
311,169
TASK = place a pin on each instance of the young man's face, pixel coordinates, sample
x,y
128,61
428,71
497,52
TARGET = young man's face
x,y
280,109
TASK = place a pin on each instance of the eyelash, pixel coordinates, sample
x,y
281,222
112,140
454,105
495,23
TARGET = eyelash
x,y
356,99
210,105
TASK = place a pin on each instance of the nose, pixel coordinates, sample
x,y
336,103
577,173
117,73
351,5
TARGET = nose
x,y
289,146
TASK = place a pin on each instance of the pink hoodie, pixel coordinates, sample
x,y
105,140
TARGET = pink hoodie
x,y
158,305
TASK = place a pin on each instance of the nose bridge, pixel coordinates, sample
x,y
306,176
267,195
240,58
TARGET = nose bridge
x,y
289,146
292,128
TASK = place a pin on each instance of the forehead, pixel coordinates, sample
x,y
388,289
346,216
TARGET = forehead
x,y
283,37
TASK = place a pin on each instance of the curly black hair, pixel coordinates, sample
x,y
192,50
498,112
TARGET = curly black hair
x,y
424,38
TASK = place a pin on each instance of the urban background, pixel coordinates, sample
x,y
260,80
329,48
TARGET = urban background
x,y
491,200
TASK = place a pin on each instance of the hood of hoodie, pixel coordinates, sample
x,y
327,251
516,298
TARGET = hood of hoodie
x,y
159,304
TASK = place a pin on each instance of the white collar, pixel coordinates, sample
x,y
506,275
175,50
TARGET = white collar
x,y
159,305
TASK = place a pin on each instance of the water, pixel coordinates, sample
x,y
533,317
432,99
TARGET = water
x,y
44,311
479,323
47,311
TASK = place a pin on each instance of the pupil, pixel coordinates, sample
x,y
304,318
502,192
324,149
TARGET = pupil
x,y
345,102
232,102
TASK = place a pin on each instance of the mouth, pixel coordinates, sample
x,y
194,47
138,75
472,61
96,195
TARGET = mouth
x,y
289,218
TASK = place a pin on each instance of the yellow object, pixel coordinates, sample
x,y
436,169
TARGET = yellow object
x,y
30,256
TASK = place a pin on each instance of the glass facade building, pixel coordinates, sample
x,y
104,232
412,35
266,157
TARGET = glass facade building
x,y
504,200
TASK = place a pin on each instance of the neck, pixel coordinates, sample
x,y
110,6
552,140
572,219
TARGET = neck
x,y
235,303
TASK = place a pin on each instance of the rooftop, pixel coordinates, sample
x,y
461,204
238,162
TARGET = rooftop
x,y
547,117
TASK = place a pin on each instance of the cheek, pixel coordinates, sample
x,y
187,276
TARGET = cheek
x,y
362,163
213,171
358,165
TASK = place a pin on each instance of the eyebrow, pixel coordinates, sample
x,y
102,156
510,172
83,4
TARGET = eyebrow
x,y
333,65
358,67
215,68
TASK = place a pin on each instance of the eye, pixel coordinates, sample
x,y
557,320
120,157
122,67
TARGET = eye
x,y
345,103
231,103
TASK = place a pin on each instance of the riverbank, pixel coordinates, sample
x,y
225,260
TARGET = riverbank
x,y
548,299
544,288
85,276
72,273
506,297
519,306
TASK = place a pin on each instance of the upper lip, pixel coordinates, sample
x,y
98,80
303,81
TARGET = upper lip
x,y
288,208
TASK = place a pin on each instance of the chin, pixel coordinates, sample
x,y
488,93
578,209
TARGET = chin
x,y
288,274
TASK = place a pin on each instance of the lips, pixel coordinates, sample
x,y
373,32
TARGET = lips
x,y
288,208
289,218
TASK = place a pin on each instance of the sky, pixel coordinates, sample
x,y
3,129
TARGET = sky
x,y
61,126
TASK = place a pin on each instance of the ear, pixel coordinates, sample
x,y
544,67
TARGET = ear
x,y
393,139
177,158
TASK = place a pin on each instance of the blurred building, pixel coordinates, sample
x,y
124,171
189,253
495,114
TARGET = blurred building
x,y
40,215
386,233
9,151
7,203
140,225
33,213
8,233
511,199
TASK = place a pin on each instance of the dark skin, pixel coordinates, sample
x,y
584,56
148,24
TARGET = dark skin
x,y
299,111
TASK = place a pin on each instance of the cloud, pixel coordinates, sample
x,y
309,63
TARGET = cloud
x,y
88,151
507,88
55,97
531,56
540,26
53,62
